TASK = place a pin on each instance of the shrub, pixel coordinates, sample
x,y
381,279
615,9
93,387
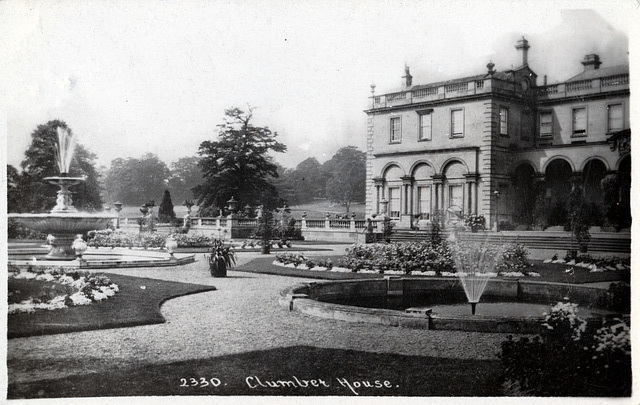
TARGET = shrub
x,y
569,361
409,257
475,221
118,238
166,214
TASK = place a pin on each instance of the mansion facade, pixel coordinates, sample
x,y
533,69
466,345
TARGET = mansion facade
x,y
500,145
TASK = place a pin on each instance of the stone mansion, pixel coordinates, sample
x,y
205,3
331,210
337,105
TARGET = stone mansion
x,y
500,145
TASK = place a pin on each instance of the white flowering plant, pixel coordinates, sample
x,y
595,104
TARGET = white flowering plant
x,y
563,320
572,360
80,288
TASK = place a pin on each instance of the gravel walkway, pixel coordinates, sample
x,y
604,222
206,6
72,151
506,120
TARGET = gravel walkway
x,y
242,315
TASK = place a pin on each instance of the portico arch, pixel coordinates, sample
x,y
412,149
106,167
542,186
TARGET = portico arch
x,y
453,190
392,189
524,190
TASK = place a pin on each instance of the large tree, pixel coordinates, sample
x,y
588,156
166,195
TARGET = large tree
x,y
238,164
133,181
13,189
39,162
309,180
347,175
185,175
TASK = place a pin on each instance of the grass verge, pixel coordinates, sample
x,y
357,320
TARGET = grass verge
x,y
137,303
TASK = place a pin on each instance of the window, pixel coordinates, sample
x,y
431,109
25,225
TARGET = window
x,y
394,202
579,122
546,124
457,123
615,117
396,133
424,201
504,121
425,127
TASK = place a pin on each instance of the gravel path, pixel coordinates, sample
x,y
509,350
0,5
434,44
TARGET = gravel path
x,y
242,315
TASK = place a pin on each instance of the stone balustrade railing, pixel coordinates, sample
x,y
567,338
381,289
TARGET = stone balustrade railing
x,y
488,85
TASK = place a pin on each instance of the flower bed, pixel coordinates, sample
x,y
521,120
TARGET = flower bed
x,y
422,258
569,357
594,264
82,288
118,238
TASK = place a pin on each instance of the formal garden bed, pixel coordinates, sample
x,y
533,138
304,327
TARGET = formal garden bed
x,y
137,301
412,258
428,259
146,240
50,288
569,357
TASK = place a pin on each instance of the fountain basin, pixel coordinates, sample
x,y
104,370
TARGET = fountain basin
x,y
64,227
29,254
414,302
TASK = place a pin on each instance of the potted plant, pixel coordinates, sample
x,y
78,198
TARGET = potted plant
x,y
221,258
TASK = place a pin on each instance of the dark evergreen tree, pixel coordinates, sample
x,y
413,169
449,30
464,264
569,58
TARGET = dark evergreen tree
x,y
166,213
238,164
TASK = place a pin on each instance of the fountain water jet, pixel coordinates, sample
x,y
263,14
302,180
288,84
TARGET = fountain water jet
x,y
64,221
475,264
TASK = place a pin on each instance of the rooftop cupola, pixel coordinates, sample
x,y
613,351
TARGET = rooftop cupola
x,y
591,62
407,77
523,45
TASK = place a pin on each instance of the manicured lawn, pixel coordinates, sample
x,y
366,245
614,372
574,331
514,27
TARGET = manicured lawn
x,y
239,375
137,303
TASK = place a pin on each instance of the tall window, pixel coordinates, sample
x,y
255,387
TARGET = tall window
x,y
424,201
504,121
425,127
394,202
546,124
615,117
457,123
579,123
396,132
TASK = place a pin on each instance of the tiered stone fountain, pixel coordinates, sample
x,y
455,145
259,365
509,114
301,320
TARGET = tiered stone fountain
x,y
64,221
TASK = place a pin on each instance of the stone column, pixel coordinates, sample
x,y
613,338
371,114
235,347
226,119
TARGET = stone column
x,y
407,206
379,183
472,187
438,183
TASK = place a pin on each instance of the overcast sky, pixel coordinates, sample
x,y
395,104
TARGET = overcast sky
x,y
156,76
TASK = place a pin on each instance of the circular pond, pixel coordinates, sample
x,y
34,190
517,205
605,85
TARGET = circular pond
x,y
511,306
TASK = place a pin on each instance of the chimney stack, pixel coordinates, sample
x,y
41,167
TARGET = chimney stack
x,y
591,62
524,45
407,76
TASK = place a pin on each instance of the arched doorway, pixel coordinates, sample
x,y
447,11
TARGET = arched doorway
x,y
593,173
524,198
423,190
393,184
558,187
454,195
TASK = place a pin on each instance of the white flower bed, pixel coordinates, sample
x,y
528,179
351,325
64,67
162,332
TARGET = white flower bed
x,y
397,272
88,288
